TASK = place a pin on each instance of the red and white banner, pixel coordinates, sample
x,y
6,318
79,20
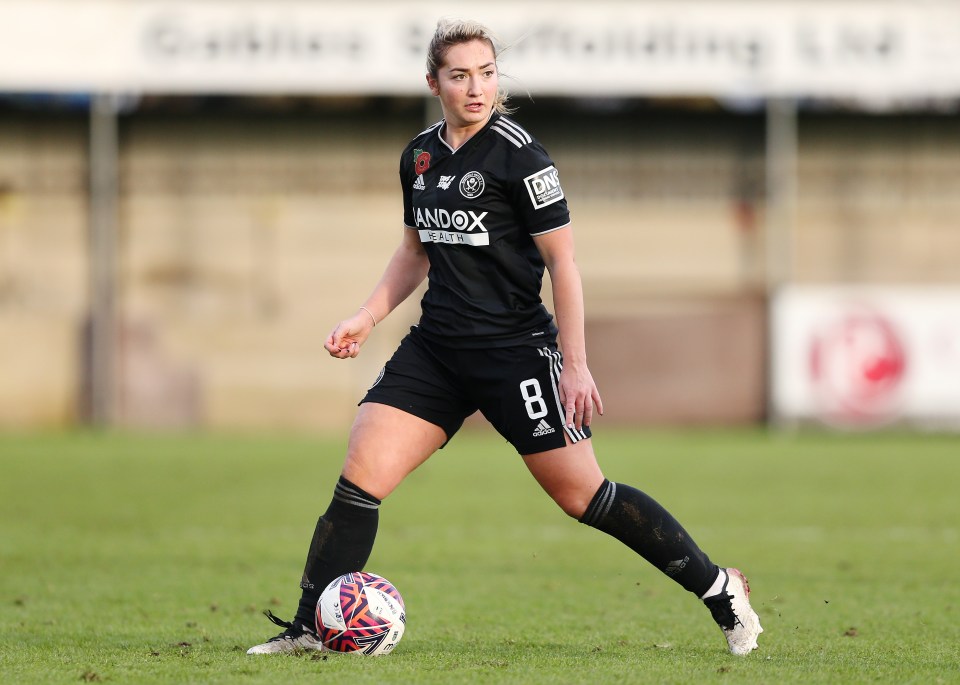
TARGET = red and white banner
x,y
867,356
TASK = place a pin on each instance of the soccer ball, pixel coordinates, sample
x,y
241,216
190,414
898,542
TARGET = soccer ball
x,y
362,613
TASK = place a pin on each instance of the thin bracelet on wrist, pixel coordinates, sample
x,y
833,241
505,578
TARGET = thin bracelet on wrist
x,y
371,315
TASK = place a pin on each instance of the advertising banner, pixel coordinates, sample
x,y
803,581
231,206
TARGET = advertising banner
x,y
863,357
724,48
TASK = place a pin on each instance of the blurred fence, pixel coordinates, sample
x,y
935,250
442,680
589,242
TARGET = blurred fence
x,y
246,230
177,260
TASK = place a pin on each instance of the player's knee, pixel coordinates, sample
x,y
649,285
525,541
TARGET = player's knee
x,y
370,480
573,504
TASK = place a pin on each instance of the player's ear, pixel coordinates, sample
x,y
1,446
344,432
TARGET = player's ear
x,y
433,85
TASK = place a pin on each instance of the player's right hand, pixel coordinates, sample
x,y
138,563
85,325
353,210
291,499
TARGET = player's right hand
x,y
347,336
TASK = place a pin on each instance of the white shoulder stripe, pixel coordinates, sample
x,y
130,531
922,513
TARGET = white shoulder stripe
x,y
509,136
429,128
516,128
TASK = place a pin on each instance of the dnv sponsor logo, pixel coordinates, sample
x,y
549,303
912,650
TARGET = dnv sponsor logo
x,y
543,428
544,187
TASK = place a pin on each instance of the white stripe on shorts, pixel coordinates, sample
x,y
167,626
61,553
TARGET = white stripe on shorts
x,y
556,366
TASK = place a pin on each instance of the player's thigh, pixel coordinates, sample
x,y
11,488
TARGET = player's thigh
x,y
386,444
570,475
517,390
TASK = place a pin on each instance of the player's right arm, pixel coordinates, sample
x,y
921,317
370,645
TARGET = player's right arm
x,y
405,271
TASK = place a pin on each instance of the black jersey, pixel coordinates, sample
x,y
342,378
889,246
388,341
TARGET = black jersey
x,y
476,209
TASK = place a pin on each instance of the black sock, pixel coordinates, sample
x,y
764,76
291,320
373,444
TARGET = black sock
x,y
636,520
342,542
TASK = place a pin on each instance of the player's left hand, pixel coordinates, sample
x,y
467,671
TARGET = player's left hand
x,y
579,395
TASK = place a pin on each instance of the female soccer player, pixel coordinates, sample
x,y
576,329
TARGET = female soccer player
x,y
484,214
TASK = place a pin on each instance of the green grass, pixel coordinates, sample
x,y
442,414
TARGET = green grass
x,y
148,559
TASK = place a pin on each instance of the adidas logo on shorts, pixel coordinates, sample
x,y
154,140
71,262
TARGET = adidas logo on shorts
x,y
543,428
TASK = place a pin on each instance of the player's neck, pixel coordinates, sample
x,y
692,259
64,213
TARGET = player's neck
x,y
456,136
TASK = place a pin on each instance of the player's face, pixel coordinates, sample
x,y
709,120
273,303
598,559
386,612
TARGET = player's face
x,y
466,83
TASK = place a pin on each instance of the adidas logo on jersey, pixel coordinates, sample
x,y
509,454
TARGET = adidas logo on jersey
x,y
419,184
543,428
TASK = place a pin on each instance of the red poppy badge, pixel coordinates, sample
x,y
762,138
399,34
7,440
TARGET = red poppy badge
x,y
421,161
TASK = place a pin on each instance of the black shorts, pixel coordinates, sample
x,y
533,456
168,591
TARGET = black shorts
x,y
515,388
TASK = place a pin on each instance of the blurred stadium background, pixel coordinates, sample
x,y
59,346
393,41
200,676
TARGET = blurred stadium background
x,y
765,196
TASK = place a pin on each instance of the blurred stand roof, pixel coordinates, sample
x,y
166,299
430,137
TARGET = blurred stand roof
x,y
872,54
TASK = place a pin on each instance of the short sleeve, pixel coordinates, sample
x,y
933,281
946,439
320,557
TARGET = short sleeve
x,y
406,189
535,191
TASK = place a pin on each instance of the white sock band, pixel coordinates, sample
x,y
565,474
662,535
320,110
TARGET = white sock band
x,y
717,586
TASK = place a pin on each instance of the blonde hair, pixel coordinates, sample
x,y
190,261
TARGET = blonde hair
x,y
452,32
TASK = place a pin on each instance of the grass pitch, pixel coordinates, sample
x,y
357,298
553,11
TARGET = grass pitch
x,y
148,559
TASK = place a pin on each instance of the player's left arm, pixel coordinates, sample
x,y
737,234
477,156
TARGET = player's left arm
x,y
578,391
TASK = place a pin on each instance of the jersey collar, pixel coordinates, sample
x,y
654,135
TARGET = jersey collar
x,y
494,116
